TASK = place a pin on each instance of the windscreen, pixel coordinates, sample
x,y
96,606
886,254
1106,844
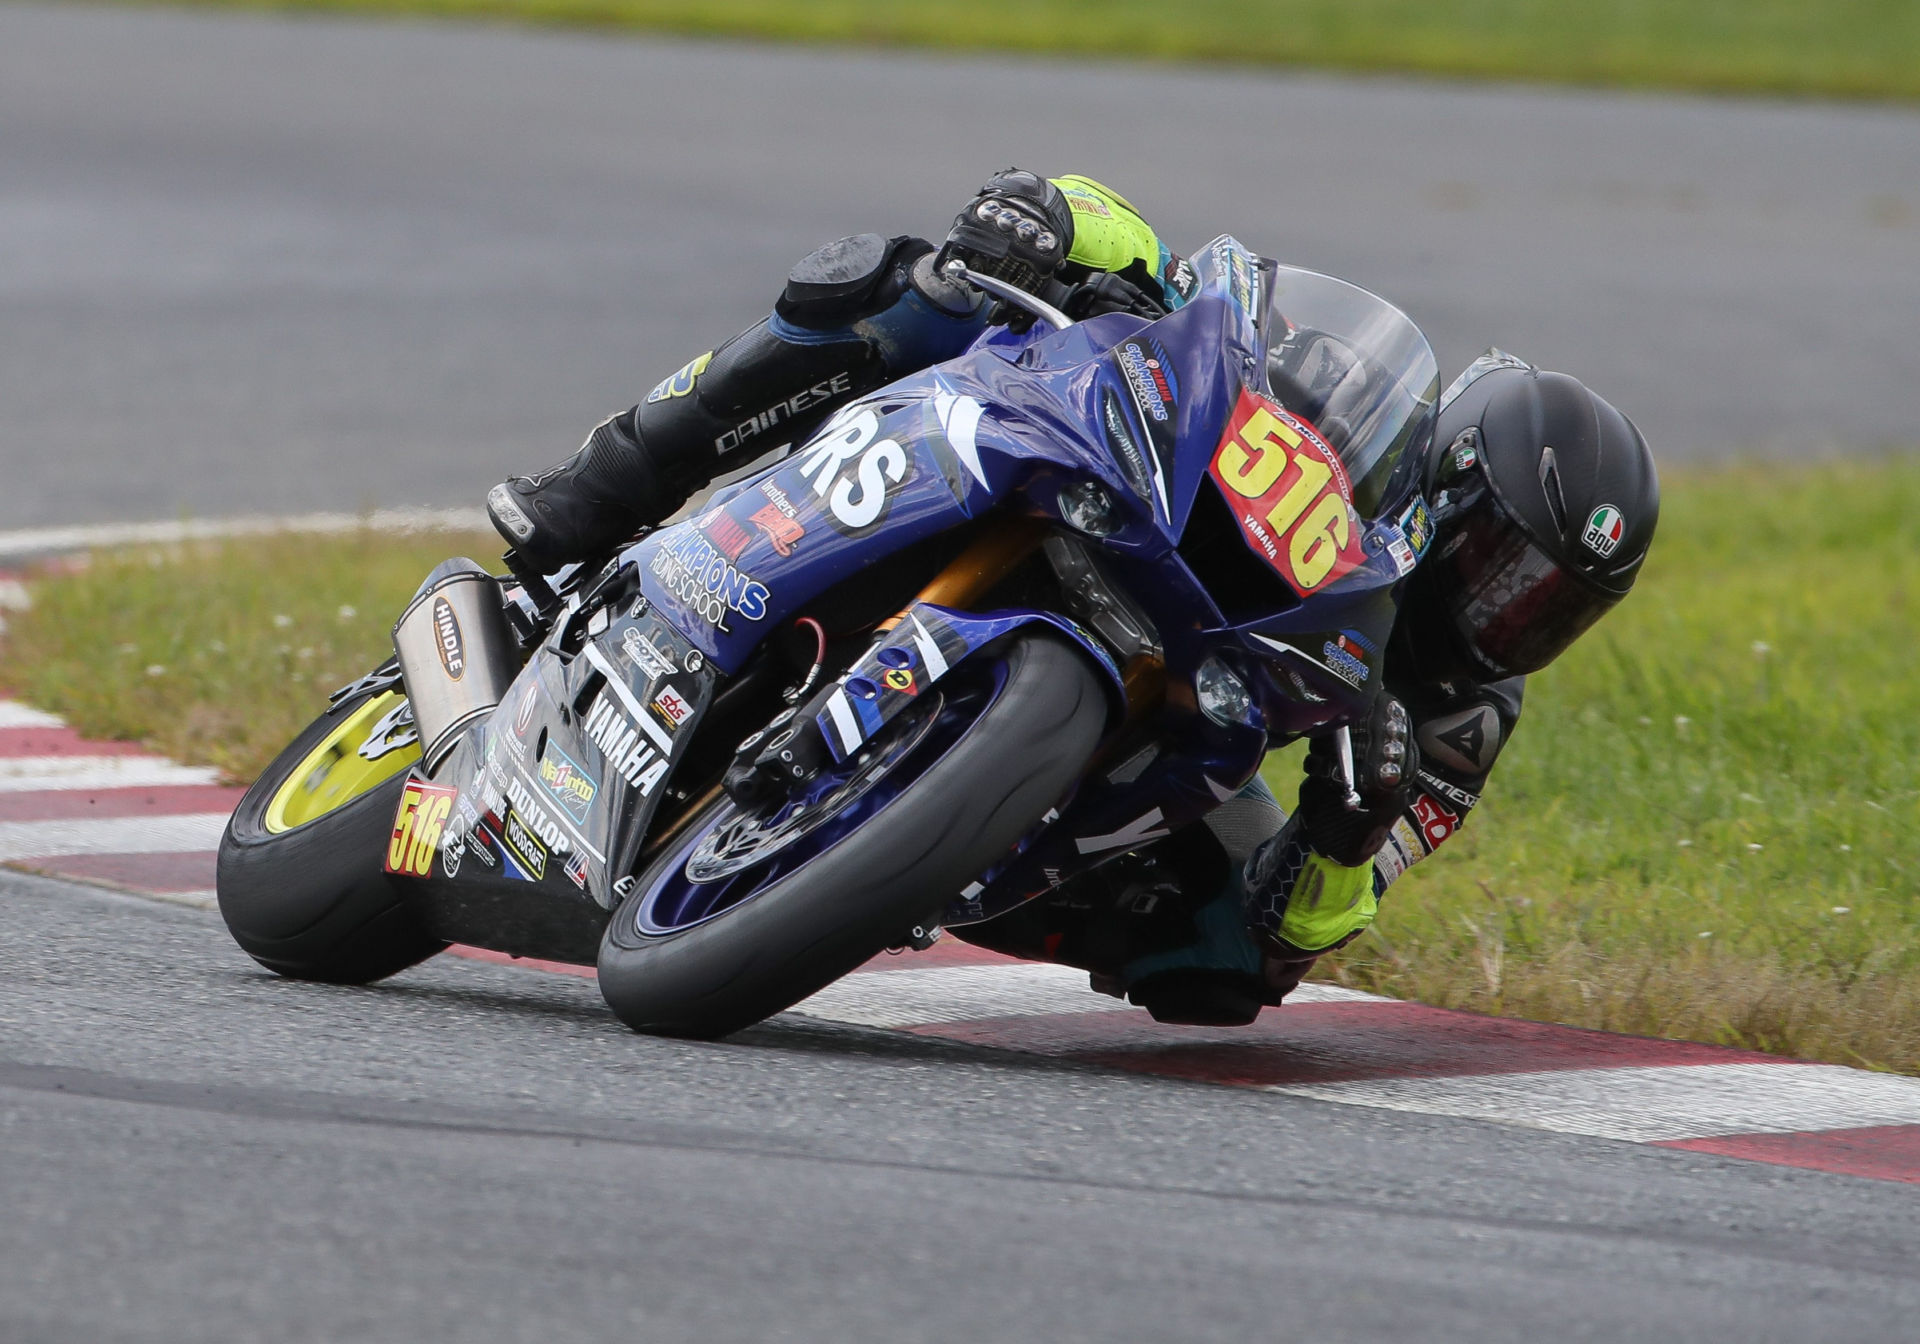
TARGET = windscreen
x,y
1354,366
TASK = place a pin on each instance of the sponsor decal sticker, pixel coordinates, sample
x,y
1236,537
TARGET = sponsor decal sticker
x,y
1403,555
1345,666
523,716
680,383
672,707
706,581
727,535
1290,494
628,750
576,870
534,816
1182,278
446,638
852,471
569,785
1401,851
1416,524
900,679
524,846
778,519
1436,820
417,826
1346,654
1604,530
1152,383
645,655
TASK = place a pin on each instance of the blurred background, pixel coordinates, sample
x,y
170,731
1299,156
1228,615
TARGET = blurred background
x,y
258,262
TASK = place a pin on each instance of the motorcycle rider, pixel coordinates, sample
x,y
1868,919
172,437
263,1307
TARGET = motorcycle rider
x,y
1541,503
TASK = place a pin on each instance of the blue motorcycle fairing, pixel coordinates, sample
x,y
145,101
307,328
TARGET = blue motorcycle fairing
x,y
925,454
919,651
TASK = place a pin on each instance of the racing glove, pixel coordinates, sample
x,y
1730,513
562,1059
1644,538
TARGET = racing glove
x,y
1018,229
1385,763
1104,292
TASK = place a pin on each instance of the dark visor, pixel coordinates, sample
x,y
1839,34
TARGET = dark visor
x,y
1514,606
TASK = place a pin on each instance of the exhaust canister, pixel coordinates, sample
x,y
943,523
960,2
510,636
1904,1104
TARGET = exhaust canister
x,y
457,653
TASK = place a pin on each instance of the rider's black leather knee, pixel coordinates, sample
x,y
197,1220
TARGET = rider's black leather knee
x,y
847,280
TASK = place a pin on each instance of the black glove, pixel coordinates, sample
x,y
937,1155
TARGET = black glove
x,y
1018,229
1385,764
1105,292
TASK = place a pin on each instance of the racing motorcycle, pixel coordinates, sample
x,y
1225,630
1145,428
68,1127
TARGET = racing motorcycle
x,y
988,628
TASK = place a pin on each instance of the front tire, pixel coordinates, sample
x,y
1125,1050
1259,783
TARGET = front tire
x,y
301,882
963,810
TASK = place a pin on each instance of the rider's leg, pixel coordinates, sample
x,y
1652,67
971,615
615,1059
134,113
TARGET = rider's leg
x,y
1166,927
855,315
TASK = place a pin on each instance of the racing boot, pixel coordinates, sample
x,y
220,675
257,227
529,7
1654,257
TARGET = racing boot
x,y
855,315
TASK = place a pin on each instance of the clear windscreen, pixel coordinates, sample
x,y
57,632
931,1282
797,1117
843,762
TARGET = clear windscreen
x,y
1354,366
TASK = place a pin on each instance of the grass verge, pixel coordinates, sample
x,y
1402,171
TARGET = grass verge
x,y
1704,827
1839,48
217,653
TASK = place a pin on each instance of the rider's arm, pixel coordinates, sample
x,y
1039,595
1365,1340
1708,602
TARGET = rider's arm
x,y
1110,235
1309,902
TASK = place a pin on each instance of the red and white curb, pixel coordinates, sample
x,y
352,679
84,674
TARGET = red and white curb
x,y
104,813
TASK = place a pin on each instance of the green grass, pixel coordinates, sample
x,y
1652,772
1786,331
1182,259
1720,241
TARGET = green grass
x,y
217,653
1843,48
1704,827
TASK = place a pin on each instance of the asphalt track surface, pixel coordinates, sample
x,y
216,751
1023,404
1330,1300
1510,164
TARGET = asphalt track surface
x,y
195,1150
258,263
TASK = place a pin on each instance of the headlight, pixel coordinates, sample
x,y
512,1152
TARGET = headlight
x,y
1087,506
1223,697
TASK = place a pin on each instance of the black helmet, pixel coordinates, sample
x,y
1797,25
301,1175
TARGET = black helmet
x,y
1544,502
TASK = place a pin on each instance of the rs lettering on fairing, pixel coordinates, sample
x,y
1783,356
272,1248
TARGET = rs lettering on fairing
x,y
851,474
780,412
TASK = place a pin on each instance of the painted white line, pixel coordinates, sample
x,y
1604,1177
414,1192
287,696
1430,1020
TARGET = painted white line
x,y
112,835
35,774
1644,1105
45,540
13,714
1315,992
922,996
918,996
198,900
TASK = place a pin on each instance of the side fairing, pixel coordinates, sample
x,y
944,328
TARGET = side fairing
x,y
1133,404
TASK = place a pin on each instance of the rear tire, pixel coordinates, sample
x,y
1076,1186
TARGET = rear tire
x,y
865,891
312,901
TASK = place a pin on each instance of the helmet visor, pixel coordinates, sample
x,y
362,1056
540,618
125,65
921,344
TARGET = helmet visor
x,y
1516,609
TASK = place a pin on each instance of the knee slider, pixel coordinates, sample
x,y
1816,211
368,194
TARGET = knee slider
x,y
848,280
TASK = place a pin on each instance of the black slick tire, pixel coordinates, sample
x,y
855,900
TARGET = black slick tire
x,y
314,902
852,901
